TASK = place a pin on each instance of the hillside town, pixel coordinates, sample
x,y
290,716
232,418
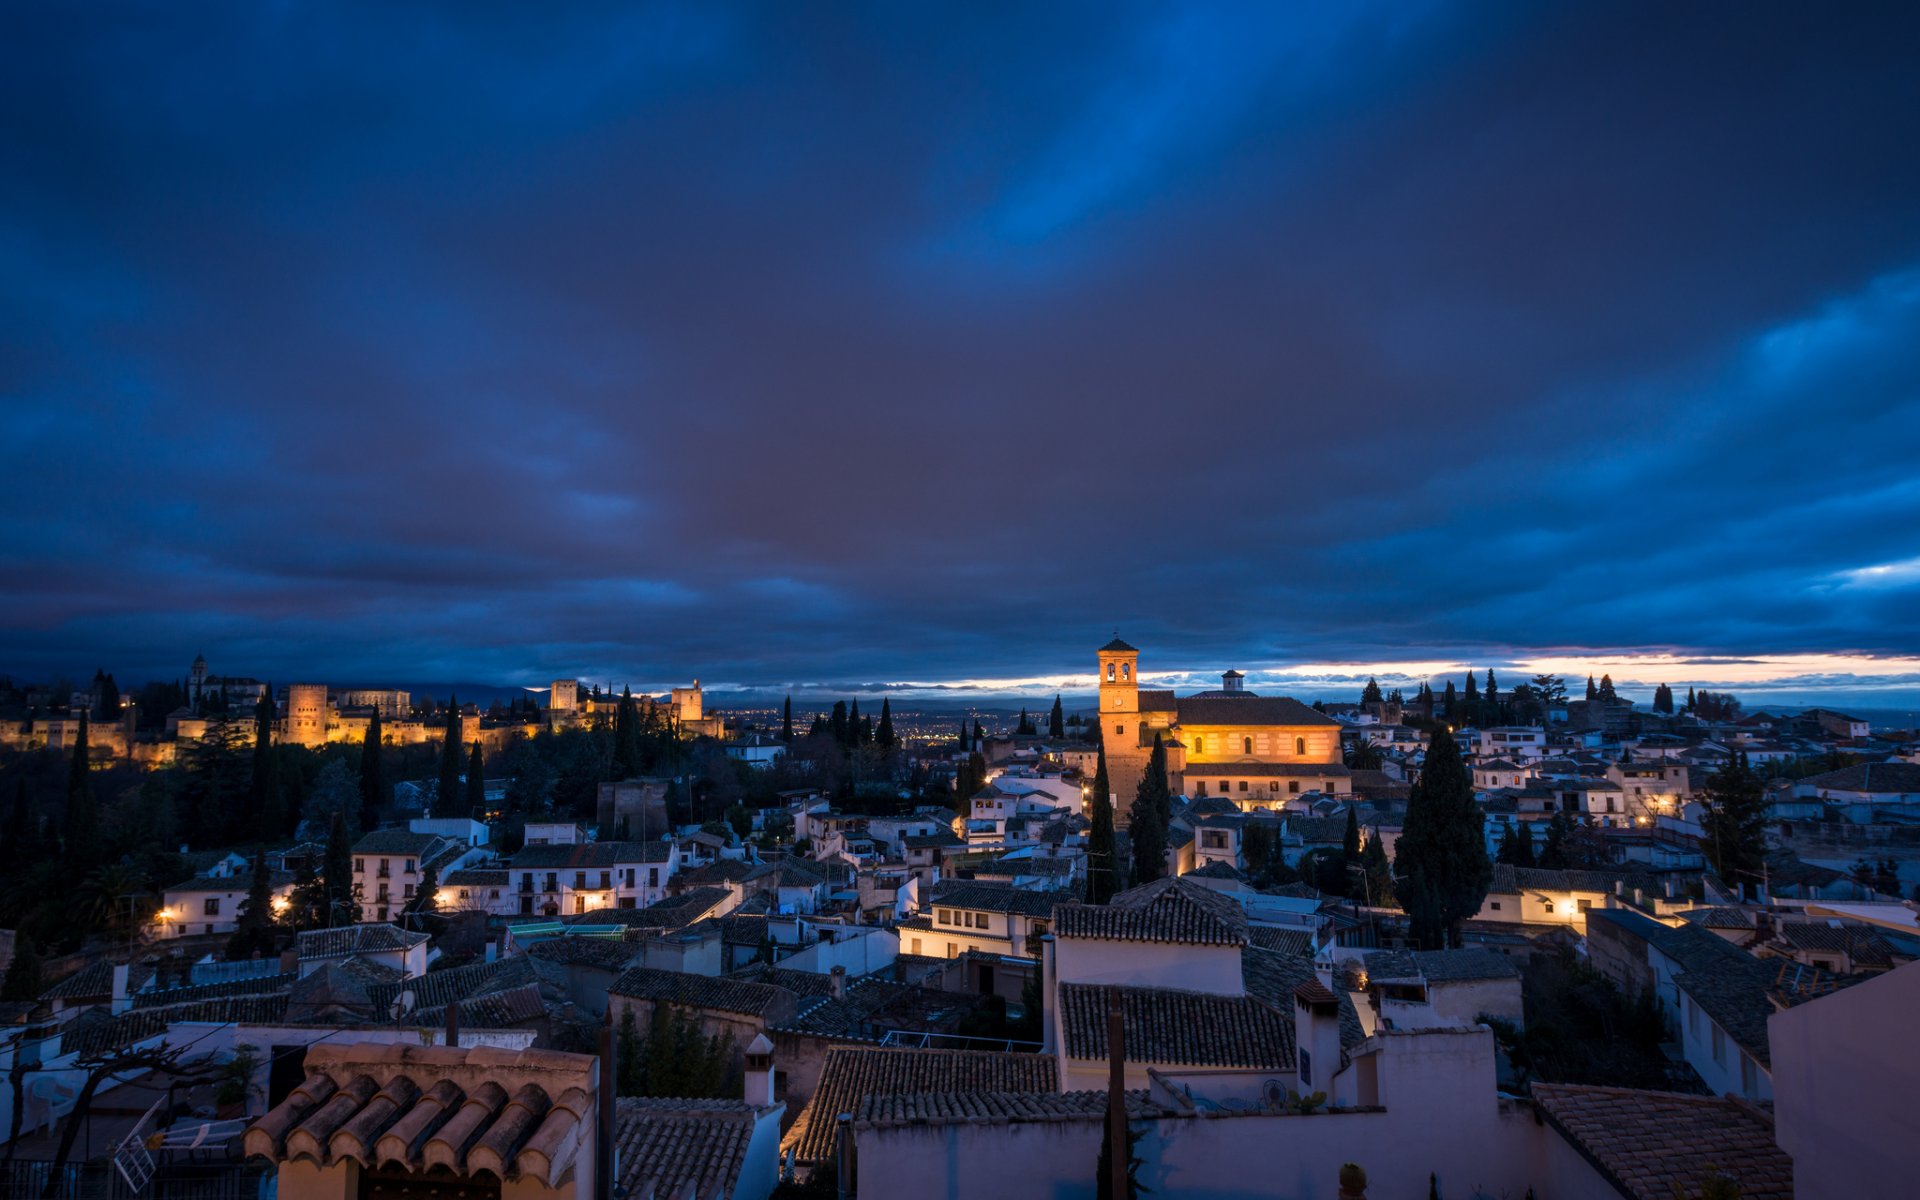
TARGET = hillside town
x,y
1482,940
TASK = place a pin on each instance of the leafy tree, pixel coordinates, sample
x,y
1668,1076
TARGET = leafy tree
x,y
373,779
269,805
1716,706
1149,817
1259,848
83,811
630,1070
1733,826
1056,726
449,759
1103,866
1607,693
476,783
253,931
1441,857
1371,693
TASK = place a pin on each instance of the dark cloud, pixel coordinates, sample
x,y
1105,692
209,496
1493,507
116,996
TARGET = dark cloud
x,y
778,345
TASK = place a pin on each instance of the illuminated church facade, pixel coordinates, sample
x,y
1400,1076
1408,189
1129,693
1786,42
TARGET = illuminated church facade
x,y
1258,751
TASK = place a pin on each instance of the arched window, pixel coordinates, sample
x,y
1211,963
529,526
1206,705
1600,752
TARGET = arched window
x,y
1126,670
1246,745
1109,672
1300,746
1199,745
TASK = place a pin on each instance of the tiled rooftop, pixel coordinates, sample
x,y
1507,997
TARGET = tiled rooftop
x,y
851,1074
1166,1026
1648,1144
676,1148
1166,910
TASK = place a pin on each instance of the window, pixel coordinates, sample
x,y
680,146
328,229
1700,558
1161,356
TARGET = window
x,y
943,917
1494,905
1749,1076
580,879
1293,787
1246,745
407,891
1306,1069
213,906
496,894
1300,746
465,894
1200,787
1243,785
606,880
1585,905
1109,672
359,864
380,913
1199,745
1273,785
1719,1046
1120,729
1126,671
409,867
916,946
653,876
383,894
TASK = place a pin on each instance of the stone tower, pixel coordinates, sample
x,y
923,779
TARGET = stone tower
x,y
565,696
307,714
1120,723
199,677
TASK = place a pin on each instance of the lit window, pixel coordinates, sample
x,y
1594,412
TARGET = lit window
x,y
1300,746
1199,745
1246,745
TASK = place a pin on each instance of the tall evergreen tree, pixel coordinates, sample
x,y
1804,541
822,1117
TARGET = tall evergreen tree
x,y
626,738
1663,699
1450,698
23,980
1350,840
979,733
476,784
269,805
1690,699
1056,721
1025,727
426,898
1553,851
839,722
450,756
853,722
1593,692
1371,693
1441,857
83,811
253,929
373,778
1149,817
883,737
1472,694
1378,886
1733,827
1103,864
337,874
108,707
1606,688
1523,844
1493,688
786,721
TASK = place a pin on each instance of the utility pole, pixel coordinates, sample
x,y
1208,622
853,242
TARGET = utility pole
x,y
1116,1096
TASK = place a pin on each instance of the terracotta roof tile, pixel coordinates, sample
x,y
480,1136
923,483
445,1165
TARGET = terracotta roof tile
x,y
1648,1144
1166,910
850,1074
1163,1025
682,1147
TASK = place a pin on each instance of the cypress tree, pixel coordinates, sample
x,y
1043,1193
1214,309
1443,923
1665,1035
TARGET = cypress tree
x,y
337,873
476,784
979,733
427,898
1371,693
963,733
1441,857
23,981
1350,841
839,722
1733,827
1056,721
373,779
883,737
1148,818
1523,844
627,755
253,931
83,812
1472,694
1690,699
1592,691
109,706
853,722
1553,852
1493,688
786,730
269,806
1103,867
449,759
1025,727
1450,697
630,1071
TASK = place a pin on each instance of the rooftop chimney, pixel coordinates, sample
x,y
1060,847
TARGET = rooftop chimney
x,y
1232,681
759,1072
121,1001
837,983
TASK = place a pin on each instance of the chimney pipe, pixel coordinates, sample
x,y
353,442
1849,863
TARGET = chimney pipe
x,y
837,983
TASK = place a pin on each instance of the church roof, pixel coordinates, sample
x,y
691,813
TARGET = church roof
x,y
1116,646
1245,708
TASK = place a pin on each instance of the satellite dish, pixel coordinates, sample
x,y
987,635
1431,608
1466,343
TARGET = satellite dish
x,y
403,1003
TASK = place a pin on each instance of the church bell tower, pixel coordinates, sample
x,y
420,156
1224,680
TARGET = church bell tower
x,y
1119,688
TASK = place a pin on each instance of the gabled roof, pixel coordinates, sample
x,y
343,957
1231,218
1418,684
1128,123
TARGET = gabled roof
x,y
396,841
349,940
1654,1145
1116,646
850,1074
1166,910
575,856
1166,1026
